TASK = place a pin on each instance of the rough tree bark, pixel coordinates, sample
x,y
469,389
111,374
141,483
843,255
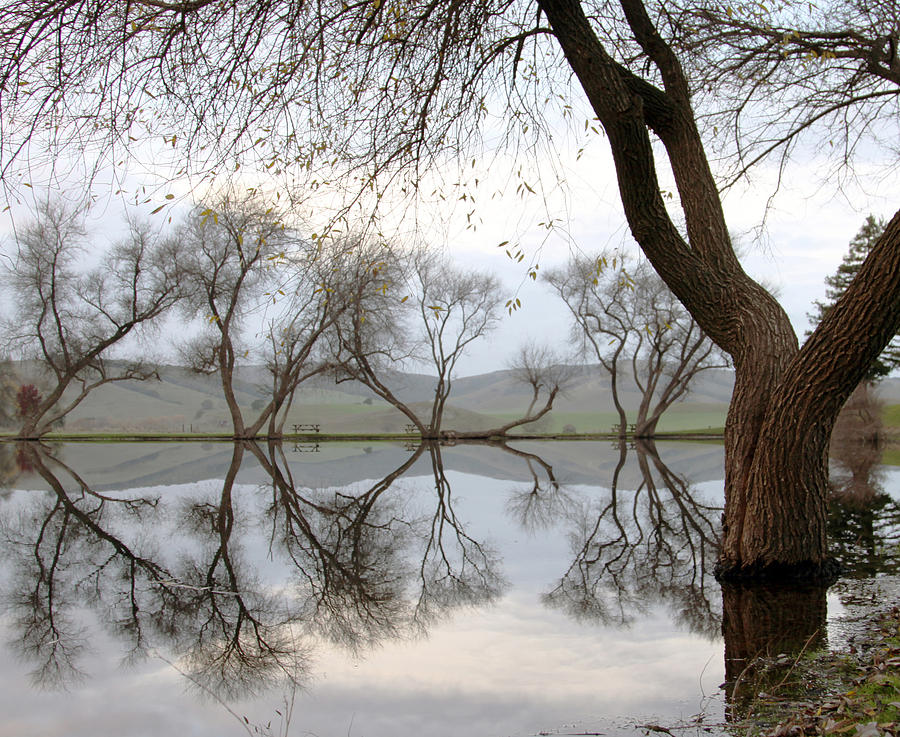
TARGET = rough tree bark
x,y
785,399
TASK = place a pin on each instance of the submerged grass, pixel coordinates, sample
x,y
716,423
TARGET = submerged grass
x,y
855,692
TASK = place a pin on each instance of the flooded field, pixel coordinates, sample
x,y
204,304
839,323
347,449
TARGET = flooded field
x,y
382,589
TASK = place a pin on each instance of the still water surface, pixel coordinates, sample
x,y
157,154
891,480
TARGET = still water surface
x,y
374,590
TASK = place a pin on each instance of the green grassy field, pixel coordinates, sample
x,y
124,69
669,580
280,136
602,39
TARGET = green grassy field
x,y
148,415
679,418
891,416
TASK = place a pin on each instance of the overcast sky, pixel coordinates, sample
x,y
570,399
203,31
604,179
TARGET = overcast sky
x,y
791,241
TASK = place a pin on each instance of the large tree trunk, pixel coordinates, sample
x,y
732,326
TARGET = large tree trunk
x,y
785,400
776,492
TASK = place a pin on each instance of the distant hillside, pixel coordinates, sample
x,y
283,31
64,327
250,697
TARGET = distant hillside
x,y
185,400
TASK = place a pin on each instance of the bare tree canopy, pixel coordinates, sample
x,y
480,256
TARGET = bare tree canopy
x,y
235,255
377,86
69,318
455,307
368,95
776,71
625,318
401,309
281,87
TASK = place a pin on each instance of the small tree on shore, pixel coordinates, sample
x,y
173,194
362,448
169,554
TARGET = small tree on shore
x,y
295,337
69,318
625,318
371,340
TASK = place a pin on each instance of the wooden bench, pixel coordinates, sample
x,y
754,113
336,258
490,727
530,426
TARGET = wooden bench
x,y
614,430
307,427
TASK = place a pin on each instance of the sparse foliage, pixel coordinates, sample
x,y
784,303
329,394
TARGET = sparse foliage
x,y
455,307
371,340
625,318
773,72
234,254
69,318
407,309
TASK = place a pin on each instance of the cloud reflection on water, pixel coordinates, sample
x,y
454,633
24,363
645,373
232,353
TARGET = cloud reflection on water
x,y
413,604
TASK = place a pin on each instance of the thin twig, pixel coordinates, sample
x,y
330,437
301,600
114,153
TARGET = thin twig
x,y
207,690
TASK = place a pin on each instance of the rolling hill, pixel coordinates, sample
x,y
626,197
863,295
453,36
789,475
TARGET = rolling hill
x,y
185,401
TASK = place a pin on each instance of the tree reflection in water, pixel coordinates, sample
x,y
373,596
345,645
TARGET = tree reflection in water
x,y
632,548
765,628
364,566
372,567
381,560
863,521
545,501
77,548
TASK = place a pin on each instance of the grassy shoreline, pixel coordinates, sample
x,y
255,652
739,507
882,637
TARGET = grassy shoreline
x,y
714,435
863,694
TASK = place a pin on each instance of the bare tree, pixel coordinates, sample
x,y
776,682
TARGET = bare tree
x,y
409,308
234,258
374,93
455,308
601,328
547,375
403,309
371,340
69,318
544,373
291,353
296,337
669,352
625,317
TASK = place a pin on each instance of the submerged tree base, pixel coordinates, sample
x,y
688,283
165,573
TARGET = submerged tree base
x,y
818,572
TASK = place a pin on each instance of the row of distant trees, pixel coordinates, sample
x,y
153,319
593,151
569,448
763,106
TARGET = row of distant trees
x,y
355,308
345,306
252,288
